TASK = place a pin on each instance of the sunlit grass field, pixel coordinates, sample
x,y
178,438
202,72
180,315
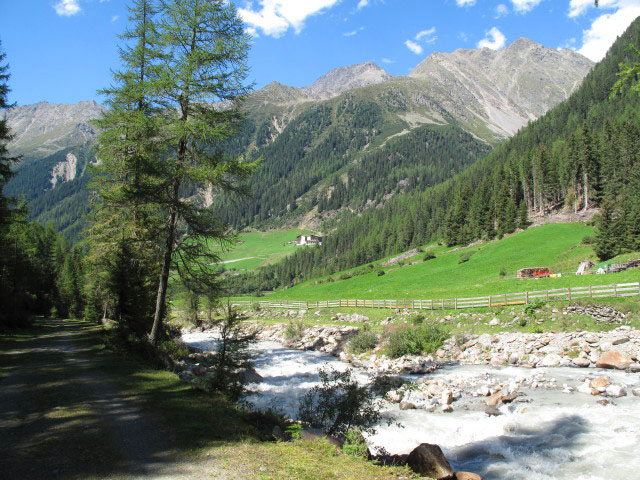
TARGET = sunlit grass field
x,y
557,246
260,248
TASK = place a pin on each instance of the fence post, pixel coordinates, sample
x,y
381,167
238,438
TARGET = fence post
x,y
526,296
455,303
505,299
615,290
547,295
489,301
443,304
569,289
590,292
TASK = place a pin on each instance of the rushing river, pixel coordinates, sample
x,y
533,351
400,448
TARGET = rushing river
x,y
554,435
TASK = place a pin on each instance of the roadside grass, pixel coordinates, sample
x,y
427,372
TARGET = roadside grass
x,y
206,432
557,246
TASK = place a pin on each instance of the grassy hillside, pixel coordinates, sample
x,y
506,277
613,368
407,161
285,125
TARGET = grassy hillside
x,y
260,248
557,246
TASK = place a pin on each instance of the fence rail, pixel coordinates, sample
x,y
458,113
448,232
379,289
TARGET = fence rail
x,y
557,294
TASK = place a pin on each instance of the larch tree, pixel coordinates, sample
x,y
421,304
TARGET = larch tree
x,y
176,100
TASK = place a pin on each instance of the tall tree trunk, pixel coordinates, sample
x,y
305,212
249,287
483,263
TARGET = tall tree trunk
x,y
586,192
166,267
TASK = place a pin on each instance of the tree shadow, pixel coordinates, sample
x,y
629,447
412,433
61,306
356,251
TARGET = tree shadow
x,y
524,453
69,410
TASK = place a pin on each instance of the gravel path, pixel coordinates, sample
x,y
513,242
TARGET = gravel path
x,y
63,416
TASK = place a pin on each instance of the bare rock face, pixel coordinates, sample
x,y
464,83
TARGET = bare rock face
x,y
343,79
506,88
429,461
44,128
613,359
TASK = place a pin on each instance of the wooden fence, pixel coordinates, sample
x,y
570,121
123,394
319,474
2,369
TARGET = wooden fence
x,y
570,293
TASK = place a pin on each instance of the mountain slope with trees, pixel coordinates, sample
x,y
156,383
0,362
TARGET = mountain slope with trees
x,y
582,154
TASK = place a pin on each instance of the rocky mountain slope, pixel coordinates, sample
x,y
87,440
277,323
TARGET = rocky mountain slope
x,y
506,88
314,140
45,128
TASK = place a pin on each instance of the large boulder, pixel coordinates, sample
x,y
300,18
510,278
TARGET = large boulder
x,y
429,461
467,476
613,359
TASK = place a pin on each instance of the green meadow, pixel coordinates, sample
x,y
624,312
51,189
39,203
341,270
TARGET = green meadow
x,y
255,249
491,269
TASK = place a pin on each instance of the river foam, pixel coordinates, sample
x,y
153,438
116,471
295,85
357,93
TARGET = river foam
x,y
553,435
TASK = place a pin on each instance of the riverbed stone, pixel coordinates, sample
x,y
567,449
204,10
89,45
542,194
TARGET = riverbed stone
x,y
581,362
550,360
613,359
428,460
467,476
600,382
616,391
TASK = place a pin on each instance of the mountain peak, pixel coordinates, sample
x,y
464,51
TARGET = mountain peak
x,y
342,79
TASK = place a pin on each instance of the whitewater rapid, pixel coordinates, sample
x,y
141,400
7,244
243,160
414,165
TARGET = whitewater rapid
x,y
554,435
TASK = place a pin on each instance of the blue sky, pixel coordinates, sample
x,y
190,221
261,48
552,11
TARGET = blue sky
x,y
62,51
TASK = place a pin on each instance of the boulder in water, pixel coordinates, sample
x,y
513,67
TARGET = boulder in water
x,y
613,359
429,461
467,476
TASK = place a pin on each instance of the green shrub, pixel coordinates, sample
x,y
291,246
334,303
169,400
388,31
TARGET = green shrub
x,y
355,444
339,404
587,240
465,256
503,272
530,308
363,342
380,273
425,338
294,330
428,256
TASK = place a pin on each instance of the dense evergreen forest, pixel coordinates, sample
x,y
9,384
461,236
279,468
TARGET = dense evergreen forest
x,y
582,154
322,160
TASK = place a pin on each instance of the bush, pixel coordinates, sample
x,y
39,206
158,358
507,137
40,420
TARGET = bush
x,y
380,273
339,404
530,308
503,272
465,256
233,356
425,338
355,444
587,240
295,330
428,256
363,342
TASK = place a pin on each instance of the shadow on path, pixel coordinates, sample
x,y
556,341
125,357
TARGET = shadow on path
x,y
65,412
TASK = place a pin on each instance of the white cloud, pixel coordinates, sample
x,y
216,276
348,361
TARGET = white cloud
x,y
275,17
424,36
115,18
578,7
414,47
494,40
388,61
428,35
362,4
524,6
463,36
465,3
67,8
606,28
350,34
502,11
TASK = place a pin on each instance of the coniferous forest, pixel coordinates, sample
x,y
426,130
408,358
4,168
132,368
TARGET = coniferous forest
x,y
582,154
436,182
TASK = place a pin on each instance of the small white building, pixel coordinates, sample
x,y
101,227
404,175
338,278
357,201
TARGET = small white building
x,y
309,240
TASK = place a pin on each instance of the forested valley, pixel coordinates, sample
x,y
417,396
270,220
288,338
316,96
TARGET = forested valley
x,y
580,155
